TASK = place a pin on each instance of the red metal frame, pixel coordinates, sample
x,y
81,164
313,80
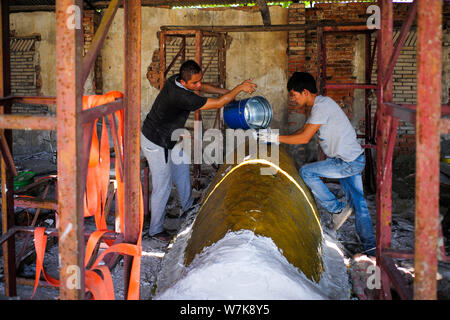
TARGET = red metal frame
x,y
429,66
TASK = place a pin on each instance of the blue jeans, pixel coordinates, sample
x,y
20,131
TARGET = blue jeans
x,y
349,175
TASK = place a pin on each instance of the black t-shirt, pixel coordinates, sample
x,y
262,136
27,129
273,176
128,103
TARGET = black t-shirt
x,y
169,112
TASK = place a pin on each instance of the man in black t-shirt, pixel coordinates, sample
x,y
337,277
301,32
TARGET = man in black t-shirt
x,y
169,112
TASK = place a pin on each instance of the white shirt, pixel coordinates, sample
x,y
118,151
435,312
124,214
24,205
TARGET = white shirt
x,y
336,134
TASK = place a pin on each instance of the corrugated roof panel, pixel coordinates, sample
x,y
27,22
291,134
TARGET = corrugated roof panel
x,y
153,2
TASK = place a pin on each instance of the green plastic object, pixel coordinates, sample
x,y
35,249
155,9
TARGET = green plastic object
x,y
23,179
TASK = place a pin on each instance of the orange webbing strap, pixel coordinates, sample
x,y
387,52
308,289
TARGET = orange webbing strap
x,y
90,198
105,165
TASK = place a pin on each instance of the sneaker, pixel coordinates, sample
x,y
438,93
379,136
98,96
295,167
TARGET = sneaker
x,y
340,218
162,236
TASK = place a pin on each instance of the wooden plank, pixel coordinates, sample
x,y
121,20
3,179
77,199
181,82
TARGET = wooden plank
x,y
27,122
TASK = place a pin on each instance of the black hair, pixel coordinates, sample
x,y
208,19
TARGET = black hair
x,y
189,68
300,81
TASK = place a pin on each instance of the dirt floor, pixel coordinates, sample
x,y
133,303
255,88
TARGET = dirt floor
x,y
153,251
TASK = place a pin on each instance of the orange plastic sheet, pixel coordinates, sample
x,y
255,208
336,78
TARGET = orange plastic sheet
x,y
98,279
275,204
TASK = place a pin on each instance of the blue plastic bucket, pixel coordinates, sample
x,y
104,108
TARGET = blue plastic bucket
x,y
251,113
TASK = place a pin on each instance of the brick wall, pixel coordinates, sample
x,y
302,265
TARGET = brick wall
x,y
446,53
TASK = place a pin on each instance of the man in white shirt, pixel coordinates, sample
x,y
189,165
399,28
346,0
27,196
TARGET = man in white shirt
x,y
345,157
